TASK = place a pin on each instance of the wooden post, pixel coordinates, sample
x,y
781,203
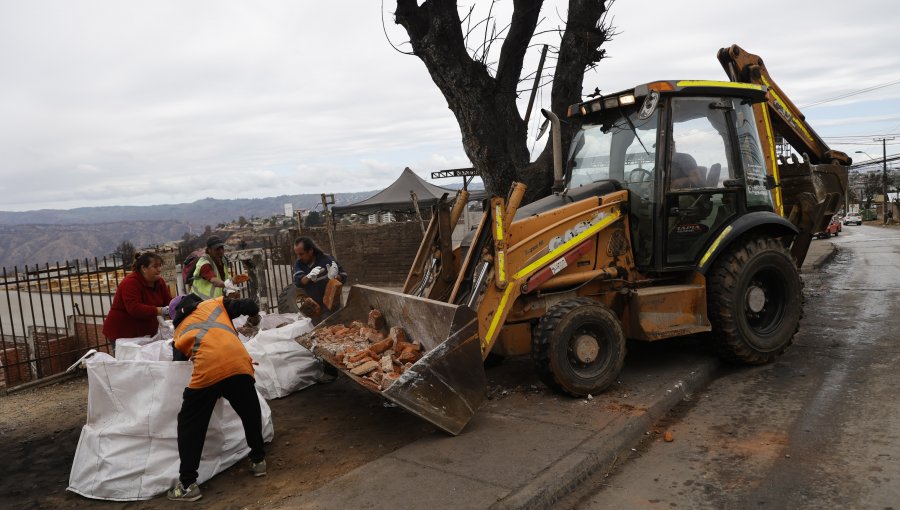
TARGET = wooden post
x,y
329,221
415,201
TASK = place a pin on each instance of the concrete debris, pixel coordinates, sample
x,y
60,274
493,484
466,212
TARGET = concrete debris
x,y
366,351
365,368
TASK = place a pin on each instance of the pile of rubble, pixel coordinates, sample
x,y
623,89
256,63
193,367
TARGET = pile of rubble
x,y
372,351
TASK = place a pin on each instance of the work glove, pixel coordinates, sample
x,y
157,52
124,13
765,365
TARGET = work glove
x,y
165,311
253,320
230,287
316,274
333,270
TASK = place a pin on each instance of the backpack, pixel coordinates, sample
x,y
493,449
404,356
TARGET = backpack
x,y
188,266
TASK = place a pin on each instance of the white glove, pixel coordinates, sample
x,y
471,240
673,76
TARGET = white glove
x,y
316,274
230,287
165,311
333,270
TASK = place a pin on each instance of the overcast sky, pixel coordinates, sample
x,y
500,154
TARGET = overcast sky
x,y
114,102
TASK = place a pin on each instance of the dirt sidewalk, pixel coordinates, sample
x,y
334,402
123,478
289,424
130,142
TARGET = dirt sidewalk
x,y
321,433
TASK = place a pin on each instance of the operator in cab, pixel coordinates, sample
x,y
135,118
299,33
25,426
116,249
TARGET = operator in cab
x,y
686,173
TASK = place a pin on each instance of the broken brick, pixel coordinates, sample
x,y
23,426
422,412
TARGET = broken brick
x,y
376,320
381,346
387,365
365,368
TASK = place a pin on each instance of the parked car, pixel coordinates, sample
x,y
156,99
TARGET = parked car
x,y
853,219
833,229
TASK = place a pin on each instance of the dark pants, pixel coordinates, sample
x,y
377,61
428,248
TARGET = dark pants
x,y
196,410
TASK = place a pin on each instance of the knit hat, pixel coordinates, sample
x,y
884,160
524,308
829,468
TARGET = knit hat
x,y
173,305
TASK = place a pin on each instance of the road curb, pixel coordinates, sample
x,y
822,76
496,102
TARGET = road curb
x,y
825,258
601,451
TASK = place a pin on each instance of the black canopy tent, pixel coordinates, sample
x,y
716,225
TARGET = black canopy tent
x,y
396,196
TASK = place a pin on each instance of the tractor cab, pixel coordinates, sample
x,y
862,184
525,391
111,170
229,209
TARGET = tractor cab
x,y
690,155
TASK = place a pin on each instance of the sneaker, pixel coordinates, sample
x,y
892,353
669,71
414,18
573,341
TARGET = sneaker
x,y
258,468
179,493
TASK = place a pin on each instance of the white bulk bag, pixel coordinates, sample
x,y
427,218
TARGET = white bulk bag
x,y
128,448
282,365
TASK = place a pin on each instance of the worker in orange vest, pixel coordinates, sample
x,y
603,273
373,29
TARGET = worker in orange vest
x,y
205,334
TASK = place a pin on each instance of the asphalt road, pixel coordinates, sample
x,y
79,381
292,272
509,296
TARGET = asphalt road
x,y
819,428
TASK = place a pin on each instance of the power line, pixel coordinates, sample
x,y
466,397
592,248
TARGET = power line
x,y
874,162
867,137
850,94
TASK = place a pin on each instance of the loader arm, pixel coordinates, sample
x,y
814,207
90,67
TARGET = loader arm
x,y
433,270
565,235
807,192
787,119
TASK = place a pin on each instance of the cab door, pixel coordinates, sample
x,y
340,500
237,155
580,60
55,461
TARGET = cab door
x,y
703,189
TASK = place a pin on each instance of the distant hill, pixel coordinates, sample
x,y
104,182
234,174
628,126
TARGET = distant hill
x,y
209,211
51,235
32,245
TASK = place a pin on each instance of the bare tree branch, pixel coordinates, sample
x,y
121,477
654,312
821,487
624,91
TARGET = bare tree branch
x,y
484,99
386,36
512,53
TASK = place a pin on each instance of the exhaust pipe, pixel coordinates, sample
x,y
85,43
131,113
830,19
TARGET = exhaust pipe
x,y
558,182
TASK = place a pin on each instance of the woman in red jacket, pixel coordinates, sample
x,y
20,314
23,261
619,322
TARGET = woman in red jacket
x,y
141,297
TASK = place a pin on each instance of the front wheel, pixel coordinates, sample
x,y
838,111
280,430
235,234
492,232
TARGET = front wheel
x,y
755,301
578,347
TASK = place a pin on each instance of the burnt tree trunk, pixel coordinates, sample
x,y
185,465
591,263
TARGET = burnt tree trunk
x,y
494,134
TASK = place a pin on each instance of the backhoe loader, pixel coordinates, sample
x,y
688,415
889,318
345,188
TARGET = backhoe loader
x,y
671,215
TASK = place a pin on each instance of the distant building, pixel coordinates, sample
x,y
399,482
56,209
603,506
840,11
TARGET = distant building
x,y
381,217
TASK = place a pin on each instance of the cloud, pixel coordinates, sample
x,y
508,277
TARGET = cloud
x,y
110,103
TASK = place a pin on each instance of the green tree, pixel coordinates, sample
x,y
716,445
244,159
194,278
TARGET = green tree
x,y
481,86
871,187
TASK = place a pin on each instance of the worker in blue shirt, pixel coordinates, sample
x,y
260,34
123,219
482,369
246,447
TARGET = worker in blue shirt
x,y
312,270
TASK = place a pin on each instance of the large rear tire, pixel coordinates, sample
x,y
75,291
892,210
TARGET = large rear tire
x,y
578,347
755,301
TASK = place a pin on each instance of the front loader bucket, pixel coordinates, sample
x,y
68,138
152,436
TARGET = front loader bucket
x,y
447,385
812,194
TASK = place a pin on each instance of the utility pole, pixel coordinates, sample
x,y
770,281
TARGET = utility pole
x,y
884,187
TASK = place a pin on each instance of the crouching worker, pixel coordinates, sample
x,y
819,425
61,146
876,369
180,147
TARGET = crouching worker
x,y
222,368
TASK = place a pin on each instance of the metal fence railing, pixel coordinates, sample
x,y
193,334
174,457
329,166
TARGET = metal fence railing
x,y
50,315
